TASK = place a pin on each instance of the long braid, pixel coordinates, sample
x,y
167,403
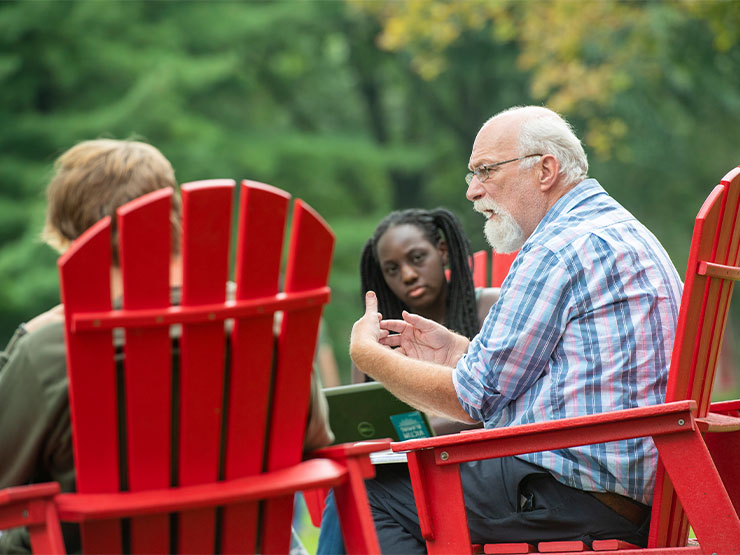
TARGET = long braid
x,y
462,313
438,224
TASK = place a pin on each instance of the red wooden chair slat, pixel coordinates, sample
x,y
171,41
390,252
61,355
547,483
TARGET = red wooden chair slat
x,y
144,235
206,225
480,268
263,210
311,247
686,471
85,286
500,264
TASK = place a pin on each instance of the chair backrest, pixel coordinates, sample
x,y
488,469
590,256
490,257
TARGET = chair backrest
x,y
227,397
500,264
710,274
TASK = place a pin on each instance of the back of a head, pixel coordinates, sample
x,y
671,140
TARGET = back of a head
x,y
546,132
94,178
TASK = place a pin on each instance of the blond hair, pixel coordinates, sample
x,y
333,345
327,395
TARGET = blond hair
x,y
94,178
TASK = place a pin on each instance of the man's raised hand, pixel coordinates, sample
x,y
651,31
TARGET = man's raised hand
x,y
366,329
423,339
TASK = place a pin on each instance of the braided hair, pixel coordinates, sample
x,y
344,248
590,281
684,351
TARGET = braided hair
x,y
461,314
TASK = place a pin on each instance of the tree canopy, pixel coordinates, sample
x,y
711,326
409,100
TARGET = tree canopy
x,y
361,107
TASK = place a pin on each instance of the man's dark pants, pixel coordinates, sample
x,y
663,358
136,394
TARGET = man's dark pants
x,y
507,500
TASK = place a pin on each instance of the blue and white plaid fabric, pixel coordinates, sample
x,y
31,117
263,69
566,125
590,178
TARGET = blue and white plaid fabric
x,y
585,324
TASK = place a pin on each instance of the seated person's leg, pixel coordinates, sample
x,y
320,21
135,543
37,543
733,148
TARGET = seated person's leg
x,y
394,510
507,500
330,535
511,500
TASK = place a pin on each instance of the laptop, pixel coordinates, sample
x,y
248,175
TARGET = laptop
x,y
364,411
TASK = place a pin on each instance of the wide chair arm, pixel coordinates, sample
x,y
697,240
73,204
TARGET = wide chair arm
x,y
33,506
556,434
315,473
435,474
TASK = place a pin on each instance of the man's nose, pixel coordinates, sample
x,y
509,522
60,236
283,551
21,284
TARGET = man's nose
x,y
475,190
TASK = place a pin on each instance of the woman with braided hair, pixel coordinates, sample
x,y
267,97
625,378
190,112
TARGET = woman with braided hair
x,y
404,263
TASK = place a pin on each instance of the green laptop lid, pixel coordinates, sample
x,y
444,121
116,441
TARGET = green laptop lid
x,y
368,410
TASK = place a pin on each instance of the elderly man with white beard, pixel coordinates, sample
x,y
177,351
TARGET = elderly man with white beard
x,y
585,324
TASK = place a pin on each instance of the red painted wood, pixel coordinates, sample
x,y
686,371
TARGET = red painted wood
x,y
509,548
698,484
562,547
445,527
144,236
262,215
566,432
612,545
95,321
84,508
205,260
85,285
696,348
500,264
33,506
480,269
309,254
725,450
315,500
356,520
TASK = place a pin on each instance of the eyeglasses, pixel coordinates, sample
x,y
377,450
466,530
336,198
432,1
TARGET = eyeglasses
x,y
484,172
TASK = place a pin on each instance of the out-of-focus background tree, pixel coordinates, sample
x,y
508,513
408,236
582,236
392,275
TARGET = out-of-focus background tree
x,y
361,107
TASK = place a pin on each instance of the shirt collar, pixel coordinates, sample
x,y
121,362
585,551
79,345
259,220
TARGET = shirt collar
x,y
584,190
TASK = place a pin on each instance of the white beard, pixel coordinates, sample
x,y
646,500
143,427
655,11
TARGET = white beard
x,y
502,231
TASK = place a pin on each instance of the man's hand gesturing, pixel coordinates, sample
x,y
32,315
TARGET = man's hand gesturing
x,y
423,339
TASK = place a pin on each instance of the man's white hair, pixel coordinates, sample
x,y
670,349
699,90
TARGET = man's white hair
x,y
545,132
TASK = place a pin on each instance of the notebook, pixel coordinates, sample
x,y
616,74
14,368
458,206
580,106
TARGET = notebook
x,y
363,411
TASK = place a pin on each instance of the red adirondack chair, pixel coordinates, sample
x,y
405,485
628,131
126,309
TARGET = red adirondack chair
x,y
500,264
194,444
698,481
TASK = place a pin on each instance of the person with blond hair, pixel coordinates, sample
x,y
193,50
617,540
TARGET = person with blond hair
x,y
91,180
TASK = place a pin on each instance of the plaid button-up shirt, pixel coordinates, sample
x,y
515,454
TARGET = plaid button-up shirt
x,y
585,324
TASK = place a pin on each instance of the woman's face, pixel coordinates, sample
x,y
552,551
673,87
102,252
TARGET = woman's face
x,y
413,268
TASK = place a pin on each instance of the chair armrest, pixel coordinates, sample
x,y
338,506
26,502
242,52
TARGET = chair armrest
x,y
557,434
24,505
725,406
356,456
33,506
314,473
344,450
358,452
27,493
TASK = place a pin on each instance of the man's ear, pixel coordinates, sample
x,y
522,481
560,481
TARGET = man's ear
x,y
549,171
443,251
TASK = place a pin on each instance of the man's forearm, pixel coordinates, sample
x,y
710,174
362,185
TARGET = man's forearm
x,y
423,385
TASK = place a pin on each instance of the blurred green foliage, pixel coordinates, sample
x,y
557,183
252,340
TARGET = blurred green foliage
x,y
359,107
